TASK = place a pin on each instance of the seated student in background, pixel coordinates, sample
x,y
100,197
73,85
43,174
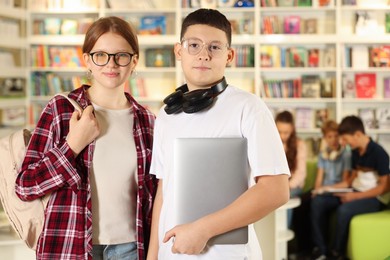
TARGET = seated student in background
x,y
370,179
334,161
295,150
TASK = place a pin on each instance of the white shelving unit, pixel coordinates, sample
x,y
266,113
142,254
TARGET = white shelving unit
x,y
14,43
335,28
273,233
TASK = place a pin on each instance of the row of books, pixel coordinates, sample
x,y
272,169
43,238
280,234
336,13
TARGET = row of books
x,y
48,83
63,4
242,26
292,24
362,56
56,26
56,56
272,56
131,4
307,117
290,3
366,3
244,56
375,118
9,27
364,85
216,3
308,86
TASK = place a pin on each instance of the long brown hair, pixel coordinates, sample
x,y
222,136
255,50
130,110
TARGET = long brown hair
x,y
292,150
110,24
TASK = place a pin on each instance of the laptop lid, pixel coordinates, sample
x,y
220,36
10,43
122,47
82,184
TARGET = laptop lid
x,y
209,174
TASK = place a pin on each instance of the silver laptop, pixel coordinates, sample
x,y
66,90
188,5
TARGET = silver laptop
x,y
209,174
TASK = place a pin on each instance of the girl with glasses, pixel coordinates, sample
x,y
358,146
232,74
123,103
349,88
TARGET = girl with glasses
x,y
96,164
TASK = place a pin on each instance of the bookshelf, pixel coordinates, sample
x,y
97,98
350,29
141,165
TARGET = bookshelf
x,y
326,34
12,65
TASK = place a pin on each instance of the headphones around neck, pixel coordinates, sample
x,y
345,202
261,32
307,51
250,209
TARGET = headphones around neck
x,y
192,101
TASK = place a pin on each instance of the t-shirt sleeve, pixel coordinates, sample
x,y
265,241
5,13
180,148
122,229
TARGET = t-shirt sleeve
x,y
265,150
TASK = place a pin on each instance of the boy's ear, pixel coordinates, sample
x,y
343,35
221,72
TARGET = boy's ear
x,y
177,49
230,56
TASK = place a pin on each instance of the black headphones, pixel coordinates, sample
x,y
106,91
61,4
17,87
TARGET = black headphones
x,y
193,101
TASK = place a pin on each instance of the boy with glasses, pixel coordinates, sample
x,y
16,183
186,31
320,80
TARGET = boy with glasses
x,y
206,106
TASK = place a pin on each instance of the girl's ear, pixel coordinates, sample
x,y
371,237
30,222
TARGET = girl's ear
x,y
177,49
87,60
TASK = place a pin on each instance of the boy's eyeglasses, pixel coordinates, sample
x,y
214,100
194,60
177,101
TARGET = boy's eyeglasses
x,y
194,46
101,58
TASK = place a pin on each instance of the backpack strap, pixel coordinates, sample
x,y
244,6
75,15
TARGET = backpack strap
x,y
72,101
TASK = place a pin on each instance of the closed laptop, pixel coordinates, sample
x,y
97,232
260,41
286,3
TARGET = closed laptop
x,y
209,174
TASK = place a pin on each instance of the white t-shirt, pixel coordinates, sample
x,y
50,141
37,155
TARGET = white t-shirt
x,y
114,178
235,113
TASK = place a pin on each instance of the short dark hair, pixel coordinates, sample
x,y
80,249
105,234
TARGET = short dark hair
x,y
350,125
208,17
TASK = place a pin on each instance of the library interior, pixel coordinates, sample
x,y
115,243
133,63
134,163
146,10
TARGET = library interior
x,y
318,59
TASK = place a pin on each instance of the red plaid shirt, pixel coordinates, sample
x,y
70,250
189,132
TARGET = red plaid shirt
x,y
50,167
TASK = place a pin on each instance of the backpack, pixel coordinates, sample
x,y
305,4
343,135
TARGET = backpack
x,y
26,217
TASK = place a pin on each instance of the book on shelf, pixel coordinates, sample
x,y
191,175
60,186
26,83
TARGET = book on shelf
x,y
383,117
321,115
152,25
313,58
328,57
328,87
304,3
349,2
379,56
360,56
52,26
69,27
365,85
368,116
386,87
322,3
387,23
286,3
159,57
310,26
348,86
292,24
311,86
226,3
12,87
297,57
304,118
270,56
209,4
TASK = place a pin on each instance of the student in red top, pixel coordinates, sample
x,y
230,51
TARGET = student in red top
x,y
94,165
